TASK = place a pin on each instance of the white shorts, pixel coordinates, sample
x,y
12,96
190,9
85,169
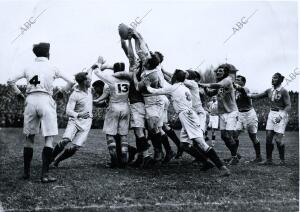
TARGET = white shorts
x,y
137,115
154,106
164,118
279,127
190,125
213,122
117,119
202,117
247,120
228,120
78,134
40,109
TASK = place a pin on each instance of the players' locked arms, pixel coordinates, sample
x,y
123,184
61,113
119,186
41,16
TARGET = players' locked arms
x,y
138,98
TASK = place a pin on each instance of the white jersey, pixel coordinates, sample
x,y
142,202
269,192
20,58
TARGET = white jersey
x,y
180,94
40,76
118,88
80,102
195,92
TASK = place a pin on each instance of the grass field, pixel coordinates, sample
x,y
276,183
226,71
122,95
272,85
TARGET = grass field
x,y
84,184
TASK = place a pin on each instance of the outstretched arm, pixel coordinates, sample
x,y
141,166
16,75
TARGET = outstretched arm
x,y
259,96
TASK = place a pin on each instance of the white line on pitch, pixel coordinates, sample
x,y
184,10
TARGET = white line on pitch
x,y
95,206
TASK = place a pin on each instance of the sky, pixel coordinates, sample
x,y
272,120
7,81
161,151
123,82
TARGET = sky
x,y
259,37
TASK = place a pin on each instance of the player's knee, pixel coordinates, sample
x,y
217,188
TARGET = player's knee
x,y
278,139
166,127
64,142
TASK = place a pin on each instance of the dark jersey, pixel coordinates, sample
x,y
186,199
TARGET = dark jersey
x,y
279,98
244,103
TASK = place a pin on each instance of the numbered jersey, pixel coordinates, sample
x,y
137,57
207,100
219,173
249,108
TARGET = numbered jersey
x,y
118,88
40,76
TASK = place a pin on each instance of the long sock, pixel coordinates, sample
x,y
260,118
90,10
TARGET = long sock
x,y
165,143
27,154
214,158
196,154
171,133
131,152
269,150
138,144
47,158
257,149
231,147
156,141
281,150
66,154
213,137
58,149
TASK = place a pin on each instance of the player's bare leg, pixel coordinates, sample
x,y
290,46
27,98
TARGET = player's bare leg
x,y
278,137
47,159
27,154
171,133
269,148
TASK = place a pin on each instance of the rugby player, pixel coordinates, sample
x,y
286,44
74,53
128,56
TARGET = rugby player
x,y
191,130
40,108
227,108
277,118
80,112
247,118
118,114
213,118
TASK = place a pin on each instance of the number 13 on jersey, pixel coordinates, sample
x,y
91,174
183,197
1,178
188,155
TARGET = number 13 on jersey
x,y
121,88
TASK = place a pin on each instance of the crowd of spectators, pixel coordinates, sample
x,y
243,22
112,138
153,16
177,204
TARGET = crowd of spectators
x,y
12,108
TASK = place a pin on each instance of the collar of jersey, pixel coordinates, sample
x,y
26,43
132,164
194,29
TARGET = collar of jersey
x,y
39,59
277,89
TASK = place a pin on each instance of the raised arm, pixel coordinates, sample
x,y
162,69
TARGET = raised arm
x,y
141,47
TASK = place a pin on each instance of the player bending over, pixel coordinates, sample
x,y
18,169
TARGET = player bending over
x,y
247,118
277,118
191,129
40,108
79,109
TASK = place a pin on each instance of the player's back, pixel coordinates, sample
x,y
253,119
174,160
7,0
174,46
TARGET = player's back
x,y
181,97
119,90
40,76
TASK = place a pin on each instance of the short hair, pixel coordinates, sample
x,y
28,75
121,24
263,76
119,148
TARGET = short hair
x,y
153,62
41,49
242,78
160,56
179,76
98,83
193,75
280,76
80,77
119,67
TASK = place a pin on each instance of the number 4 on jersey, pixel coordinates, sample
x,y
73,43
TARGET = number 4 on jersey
x,y
34,80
